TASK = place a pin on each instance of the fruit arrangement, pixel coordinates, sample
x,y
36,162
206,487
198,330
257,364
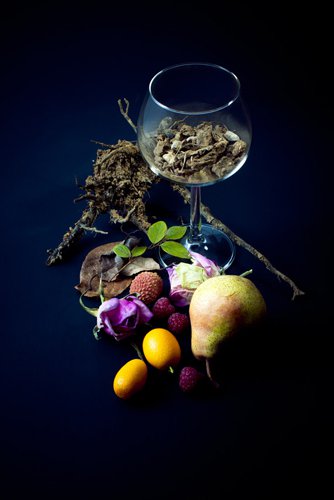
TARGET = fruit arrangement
x,y
178,322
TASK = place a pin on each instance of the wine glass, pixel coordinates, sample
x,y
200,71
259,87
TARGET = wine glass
x,y
193,129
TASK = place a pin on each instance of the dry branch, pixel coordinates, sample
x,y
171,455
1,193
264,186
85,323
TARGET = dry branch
x,y
218,224
120,181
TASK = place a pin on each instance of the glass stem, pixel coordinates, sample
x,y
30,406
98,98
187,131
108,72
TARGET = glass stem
x,y
195,216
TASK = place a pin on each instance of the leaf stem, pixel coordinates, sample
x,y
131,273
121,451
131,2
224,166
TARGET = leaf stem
x,y
90,310
138,351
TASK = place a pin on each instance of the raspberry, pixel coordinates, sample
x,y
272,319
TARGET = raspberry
x,y
189,379
178,322
163,308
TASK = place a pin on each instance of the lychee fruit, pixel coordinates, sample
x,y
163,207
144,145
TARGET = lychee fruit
x,y
163,308
147,285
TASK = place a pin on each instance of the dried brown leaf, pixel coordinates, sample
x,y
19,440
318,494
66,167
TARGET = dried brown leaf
x,y
111,289
90,274
140,264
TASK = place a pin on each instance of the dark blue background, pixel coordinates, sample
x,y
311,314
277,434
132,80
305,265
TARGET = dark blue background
x,y
63,431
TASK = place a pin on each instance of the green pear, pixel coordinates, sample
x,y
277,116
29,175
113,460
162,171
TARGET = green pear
x,y
220,307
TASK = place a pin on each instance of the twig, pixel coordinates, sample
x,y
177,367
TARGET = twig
x,y
86,196
87,220
102,144
115,215
125,112
92,229
218,224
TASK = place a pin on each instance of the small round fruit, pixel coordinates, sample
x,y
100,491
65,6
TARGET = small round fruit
x,y
148,285
130,379
161,348
189,379
178,322
163,308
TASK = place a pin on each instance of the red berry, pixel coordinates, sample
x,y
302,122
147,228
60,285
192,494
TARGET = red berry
x,y
163,308
189,379
178,322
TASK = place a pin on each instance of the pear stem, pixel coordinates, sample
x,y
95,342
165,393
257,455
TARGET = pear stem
x,y
246,273
209,373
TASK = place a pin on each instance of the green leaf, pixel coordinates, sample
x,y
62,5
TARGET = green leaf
x,y
176,232
122,251
157,231
136,251
175,249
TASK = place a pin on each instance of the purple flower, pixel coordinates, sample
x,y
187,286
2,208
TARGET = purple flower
x,y
210,266
121,317
185,278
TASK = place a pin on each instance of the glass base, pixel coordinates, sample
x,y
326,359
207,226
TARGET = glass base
x,y
214,245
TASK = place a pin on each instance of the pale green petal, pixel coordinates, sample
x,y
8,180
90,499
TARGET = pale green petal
x,y
190,276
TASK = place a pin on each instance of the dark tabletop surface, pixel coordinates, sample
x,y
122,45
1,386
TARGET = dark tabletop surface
x,y
63,431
